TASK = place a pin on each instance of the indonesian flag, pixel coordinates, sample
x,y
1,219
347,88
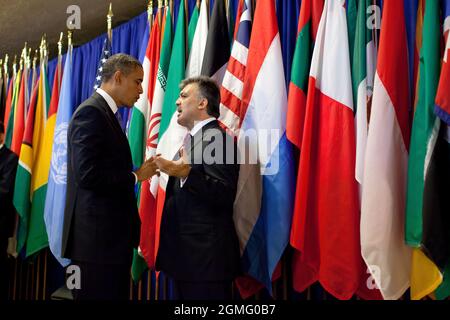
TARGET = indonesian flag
x,y
386,161
325,227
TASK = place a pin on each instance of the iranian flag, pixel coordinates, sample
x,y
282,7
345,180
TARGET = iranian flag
x,y
137,137
386,161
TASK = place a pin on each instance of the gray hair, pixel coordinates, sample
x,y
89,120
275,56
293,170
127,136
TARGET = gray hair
x,y
209,90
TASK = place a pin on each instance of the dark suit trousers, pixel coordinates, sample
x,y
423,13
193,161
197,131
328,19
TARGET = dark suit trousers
x,y
4,272
103,281
188,290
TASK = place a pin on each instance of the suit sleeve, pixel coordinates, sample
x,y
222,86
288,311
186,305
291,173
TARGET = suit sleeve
x,y
91,168
217,182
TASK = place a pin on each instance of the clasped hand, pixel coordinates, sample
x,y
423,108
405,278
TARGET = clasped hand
x,y
179,168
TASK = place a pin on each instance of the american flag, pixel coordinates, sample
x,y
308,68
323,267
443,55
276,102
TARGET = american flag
x,y
232,84
106,53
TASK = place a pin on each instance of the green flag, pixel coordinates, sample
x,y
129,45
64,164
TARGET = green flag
x,y
425,276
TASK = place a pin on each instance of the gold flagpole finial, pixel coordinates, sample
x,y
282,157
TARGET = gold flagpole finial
x,y
15,64
150,12
29,58
5,65
109,21
35,58
69,38
61,35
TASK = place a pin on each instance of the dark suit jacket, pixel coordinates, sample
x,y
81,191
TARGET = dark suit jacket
x,y
101,220
198,240
8,168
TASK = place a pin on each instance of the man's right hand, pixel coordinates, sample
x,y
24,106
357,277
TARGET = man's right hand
x,y
147,170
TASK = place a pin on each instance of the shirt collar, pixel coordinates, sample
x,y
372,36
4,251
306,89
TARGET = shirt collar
x,y
1,146
109,100
200,125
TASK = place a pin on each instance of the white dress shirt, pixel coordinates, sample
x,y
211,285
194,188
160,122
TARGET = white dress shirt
x,y
113,105
197,127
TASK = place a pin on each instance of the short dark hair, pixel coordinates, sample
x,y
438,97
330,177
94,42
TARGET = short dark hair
x,y
209,90
120,61
2,127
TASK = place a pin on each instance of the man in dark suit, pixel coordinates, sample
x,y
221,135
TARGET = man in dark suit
x,y
198,246
8,168
101,220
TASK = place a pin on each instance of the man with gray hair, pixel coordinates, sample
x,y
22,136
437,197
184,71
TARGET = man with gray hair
x,y
101,220
198,245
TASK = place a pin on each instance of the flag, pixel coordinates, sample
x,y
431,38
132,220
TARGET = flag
x,y
149,190
326,208
425,276
171,134
55,199
192,26
137,137
233,81
435,199
363,73
263,204
20,114
217,50
231,98
12,110
352,15
22,188
37,235
310,12
386,161
9,87
198,44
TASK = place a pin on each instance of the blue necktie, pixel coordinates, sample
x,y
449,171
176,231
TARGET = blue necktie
x,y
119,118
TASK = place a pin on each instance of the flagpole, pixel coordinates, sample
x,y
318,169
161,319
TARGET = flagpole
x,y
150,14
109,21
60,44
5,66
160,6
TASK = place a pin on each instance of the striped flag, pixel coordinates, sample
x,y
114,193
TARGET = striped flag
x,y
22,188
233,81
198,44
217,50
310,12
12,109
137,137
20,113
363,74
263,204
37,235
386,161
326,209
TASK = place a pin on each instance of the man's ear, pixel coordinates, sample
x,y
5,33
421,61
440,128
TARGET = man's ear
x,y
203,104
118,77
